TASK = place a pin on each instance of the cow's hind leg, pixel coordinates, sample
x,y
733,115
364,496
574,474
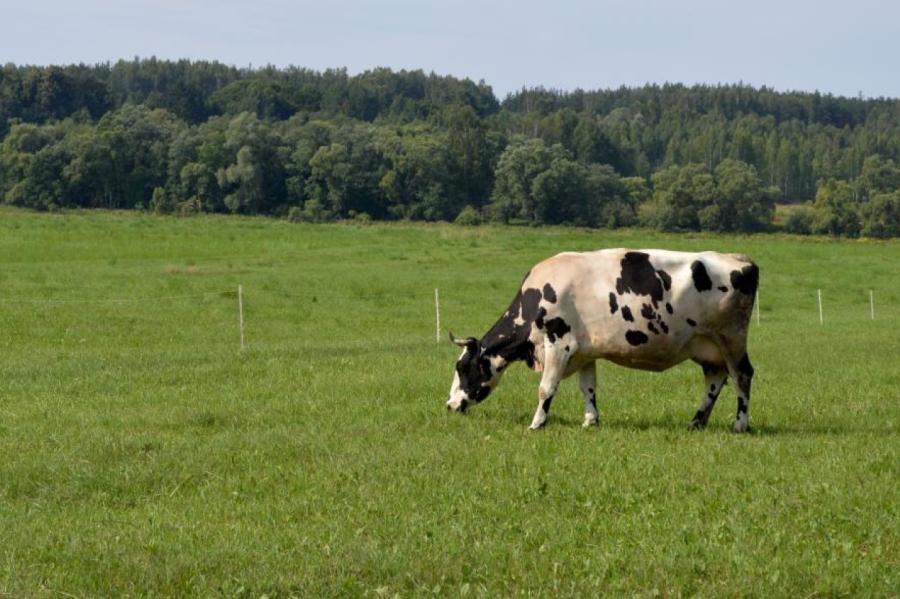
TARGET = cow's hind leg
x,y
555,360
587,378
741,372
742,376
714,376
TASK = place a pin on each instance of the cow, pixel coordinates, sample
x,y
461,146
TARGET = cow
x,y
644,309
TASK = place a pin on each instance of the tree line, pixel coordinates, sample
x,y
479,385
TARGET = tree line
x,y
189,137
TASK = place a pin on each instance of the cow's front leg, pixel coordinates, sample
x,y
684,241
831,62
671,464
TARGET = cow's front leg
x,y
554,366
714,376
587,379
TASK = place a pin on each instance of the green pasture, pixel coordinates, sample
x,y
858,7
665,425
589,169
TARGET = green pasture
x,y
142,453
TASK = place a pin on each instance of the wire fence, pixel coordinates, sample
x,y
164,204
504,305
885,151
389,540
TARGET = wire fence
x,y
820,305
115,300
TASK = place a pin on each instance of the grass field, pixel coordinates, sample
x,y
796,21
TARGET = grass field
x,y
142,453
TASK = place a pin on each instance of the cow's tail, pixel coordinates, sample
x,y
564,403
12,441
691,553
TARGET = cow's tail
x,y
745,282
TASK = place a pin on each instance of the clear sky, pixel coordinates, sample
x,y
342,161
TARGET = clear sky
x,y
832,46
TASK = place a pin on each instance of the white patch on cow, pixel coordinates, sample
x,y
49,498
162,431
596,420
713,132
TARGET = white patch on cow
x,y
457,395
518,320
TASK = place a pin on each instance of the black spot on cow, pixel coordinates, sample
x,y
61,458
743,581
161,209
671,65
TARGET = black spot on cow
x,y
669,308
639,277
546,404
711,396
613,304
590,390
567,348
742,406
539,319
664,327
593,402
709,368
556,328
702,282
665,278
636,337
691,321
652,328
530,300
746,280
712,388
549,294
648,312
744,366
626,314
722,288
482,392
526,352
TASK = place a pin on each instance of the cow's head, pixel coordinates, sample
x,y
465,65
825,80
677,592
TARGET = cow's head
x,y
476,375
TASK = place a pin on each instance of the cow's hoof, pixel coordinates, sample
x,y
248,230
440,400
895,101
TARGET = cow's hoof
x,y
697,425
536,426
741,427
590,420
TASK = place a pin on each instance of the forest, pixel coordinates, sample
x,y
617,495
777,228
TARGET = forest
x,y
185,137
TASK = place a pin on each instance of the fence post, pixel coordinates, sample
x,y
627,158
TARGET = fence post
x,y
821,319
872,303
241,312
437,311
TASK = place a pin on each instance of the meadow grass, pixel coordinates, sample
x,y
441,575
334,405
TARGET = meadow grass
x,y
142,453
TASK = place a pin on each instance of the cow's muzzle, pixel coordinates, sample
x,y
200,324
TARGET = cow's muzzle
x,y
461,407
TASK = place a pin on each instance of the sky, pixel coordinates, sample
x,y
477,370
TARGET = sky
x,y
837,47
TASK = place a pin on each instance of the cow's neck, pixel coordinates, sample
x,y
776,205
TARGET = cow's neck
x,y
509,349
509,337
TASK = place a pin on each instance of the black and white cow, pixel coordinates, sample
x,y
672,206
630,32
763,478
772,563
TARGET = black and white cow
x,y
647,309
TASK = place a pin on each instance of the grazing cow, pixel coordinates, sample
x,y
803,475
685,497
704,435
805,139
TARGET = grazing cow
x,y
647,309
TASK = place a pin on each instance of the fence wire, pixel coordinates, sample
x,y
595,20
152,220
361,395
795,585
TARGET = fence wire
x,y
270,320
114,300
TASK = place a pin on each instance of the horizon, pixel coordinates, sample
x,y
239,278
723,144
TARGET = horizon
x,y
501,97
799,46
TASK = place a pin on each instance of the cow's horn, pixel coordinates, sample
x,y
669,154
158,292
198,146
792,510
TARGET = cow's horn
x,y
470,342
454,339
